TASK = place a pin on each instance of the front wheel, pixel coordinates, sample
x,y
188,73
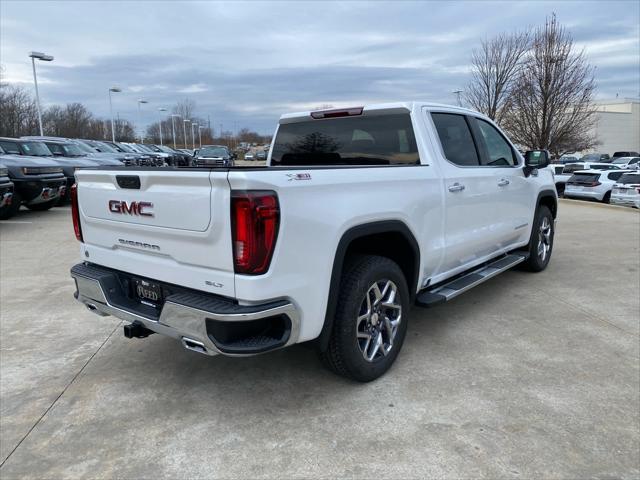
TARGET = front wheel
x,y
371,319
541,240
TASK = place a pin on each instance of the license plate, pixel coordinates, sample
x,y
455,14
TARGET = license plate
x,y
148,291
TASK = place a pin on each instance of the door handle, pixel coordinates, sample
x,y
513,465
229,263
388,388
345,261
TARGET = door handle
x,y
503,182
456,187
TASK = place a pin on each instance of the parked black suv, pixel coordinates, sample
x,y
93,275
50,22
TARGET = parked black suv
x,y
37,182
69,156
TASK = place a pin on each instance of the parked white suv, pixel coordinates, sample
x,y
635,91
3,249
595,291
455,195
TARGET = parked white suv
x,y
627,190
592,184
359,214
627,162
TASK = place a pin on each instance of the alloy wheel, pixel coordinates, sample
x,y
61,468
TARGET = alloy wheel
x,y
378,320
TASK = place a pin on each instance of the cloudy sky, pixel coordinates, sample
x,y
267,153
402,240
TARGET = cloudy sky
x,y
244,63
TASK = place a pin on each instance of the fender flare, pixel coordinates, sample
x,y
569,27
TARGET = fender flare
x,y
359,231
548,194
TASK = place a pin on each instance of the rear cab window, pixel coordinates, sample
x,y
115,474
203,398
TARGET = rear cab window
x,y
374,139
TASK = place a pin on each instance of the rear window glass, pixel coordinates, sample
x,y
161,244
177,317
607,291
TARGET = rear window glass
x,y
584,178
628,178
572,167
615,175
558,170
358,140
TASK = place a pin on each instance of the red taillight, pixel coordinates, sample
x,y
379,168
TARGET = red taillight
x,y
75,212
255,215
594,184
338,112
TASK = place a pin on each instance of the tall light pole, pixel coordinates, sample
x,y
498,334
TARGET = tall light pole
x,y
44,58
193,135
113,130
160,110
457,94
200,128
140,101
173,127
184,131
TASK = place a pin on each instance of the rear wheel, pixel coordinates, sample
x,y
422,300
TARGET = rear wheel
x,y
40,207
371,319
541,240
606,198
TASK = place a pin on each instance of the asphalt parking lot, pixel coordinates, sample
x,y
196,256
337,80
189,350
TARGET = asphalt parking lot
x,y
526,376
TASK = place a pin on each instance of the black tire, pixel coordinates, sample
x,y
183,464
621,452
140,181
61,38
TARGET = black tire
x,y
539,256
41,207
345,354
606,198
9,211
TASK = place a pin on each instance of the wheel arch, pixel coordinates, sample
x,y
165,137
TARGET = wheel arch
x,y
375,238
548,198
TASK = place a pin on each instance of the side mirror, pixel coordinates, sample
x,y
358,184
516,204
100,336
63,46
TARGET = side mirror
x,y
536,158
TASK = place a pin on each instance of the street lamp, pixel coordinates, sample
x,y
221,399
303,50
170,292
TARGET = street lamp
x,y
200,128
184,131
113,130
44,58
160,110
173,127
193,135
140,101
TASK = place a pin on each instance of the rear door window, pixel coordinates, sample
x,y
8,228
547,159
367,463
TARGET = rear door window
x,y
357,140
456,139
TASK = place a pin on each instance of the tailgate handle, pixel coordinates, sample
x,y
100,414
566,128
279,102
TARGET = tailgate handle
x,y
128,181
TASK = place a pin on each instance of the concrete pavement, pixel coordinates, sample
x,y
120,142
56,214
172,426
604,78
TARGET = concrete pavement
x,y
526,376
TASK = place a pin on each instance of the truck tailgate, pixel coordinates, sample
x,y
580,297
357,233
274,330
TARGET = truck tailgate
x,y
170,225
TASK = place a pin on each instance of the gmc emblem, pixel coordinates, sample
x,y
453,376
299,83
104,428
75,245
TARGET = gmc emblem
x,y
133,208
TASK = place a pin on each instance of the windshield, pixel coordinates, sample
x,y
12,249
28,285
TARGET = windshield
x,y
166,149
591,157
620,161
627,178
572,167
125,148
72,150
213,152
355,140
84,147
143,148
104,147
36,149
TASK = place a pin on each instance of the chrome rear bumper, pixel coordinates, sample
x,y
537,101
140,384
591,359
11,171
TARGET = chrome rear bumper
x,y
204,323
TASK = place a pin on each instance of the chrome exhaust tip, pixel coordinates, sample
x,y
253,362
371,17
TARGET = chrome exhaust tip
x,y
194,345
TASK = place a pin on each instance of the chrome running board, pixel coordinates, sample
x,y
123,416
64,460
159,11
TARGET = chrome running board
x,y
444,292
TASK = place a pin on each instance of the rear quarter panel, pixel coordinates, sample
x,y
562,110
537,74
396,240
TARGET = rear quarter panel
x,y
315,213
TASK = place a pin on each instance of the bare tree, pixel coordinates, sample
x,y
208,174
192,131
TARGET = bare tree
x,y
18,112
496,64
552,95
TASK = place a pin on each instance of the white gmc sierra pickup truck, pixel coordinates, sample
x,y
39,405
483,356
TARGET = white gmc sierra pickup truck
x,y
359,214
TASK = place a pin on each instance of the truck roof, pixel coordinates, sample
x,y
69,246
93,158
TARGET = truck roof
x,y
377,109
